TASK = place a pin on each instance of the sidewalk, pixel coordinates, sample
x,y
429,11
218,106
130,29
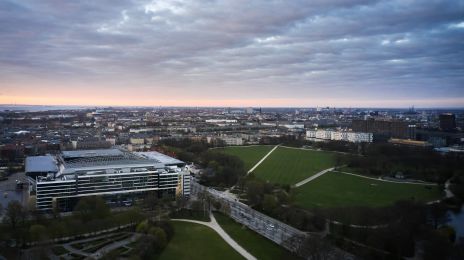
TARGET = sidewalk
x,y
262,159
216,227
319,174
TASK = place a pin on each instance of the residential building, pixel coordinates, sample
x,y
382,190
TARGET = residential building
x,y
447,121
354,137
230,140
384,129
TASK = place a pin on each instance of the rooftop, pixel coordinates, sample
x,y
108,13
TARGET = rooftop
x,y
91,153
45,163
87,160
102,158
159,158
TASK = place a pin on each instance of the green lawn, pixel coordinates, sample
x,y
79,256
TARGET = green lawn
x,y
59,250
257,245
289,166
338,190
250,155
194,241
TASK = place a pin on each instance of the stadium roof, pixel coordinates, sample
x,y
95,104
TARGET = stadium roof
x,y
104,158
45,163
160,158
91,153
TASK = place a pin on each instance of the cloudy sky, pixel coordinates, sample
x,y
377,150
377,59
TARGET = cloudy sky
x,y
233,53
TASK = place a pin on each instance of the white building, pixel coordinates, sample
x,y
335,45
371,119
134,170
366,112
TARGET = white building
x,y
354,137
230,140
215,121
323,134
184,184
359,137
294,126
118,176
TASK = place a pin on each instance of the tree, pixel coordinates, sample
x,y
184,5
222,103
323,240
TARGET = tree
x,y
438,214
93,207
14,214
181,202
38,233
145,248
315,248
153,240
197,205
436,246
151,200
142,227
160,238
254,191
269,202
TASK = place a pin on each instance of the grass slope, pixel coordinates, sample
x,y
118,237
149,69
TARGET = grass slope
x,y
338,190
257,245
289,166
250,155
197,242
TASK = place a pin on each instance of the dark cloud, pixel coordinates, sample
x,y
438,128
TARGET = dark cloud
x,y
291,49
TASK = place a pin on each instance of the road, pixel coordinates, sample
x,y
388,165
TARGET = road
x,y
8,191
266,226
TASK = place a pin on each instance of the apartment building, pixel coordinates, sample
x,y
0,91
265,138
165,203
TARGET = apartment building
x,y
326,135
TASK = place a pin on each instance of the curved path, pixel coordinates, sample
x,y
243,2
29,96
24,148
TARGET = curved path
x,y
216,227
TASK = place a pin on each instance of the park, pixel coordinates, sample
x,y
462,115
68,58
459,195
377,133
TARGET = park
x,y
288,166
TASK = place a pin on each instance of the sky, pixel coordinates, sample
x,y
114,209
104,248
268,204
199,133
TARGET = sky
x,y
296,53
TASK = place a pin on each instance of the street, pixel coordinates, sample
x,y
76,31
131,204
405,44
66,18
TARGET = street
x,y
266,226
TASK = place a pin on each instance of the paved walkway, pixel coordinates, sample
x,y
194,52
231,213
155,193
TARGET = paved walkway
x,y
216,227
251,145
319,174
316,150
74,250
101,252
380,179
262,159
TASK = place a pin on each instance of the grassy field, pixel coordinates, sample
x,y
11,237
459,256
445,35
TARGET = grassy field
x,y
197,242
338,190
257,245
250,155
289,166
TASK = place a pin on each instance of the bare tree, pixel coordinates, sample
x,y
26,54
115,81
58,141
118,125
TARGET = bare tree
x,y
312,247
14,214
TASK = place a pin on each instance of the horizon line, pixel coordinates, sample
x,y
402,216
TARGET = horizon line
x,y
225,106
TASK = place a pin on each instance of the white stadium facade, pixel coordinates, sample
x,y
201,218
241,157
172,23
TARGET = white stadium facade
x,y
118,176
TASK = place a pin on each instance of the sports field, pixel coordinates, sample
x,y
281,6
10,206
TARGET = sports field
x,y
259,246
250,155
197,242
337,190
289,166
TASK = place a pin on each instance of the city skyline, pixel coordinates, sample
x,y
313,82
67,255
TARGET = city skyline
x,y
385,54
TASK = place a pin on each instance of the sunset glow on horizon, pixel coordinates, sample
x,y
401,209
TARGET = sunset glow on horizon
x,y
232,53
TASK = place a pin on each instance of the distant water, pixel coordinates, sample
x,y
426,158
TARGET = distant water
x,y
35,108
